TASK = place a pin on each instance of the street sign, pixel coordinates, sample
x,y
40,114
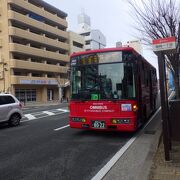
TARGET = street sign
x,y
164,44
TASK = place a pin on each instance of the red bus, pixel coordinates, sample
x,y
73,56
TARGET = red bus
x,y
111,89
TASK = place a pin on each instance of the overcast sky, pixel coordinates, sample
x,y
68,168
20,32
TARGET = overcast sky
x,y
111,17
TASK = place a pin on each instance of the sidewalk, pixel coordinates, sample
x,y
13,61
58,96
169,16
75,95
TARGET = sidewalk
x,y
37,104
144,160
164,170
136,162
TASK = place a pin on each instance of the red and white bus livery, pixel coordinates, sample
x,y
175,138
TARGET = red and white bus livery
x,y
111,89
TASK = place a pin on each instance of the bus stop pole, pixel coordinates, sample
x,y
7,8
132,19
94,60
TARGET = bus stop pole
x,y
164,108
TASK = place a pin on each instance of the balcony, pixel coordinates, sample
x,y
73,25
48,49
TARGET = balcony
x,y
29,22
31,51
40,11
20,64
37,38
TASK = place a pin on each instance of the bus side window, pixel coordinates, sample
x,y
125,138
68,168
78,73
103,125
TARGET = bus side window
x,y
143,73
78,79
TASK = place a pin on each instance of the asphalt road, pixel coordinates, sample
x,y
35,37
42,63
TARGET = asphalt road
x,y
36,151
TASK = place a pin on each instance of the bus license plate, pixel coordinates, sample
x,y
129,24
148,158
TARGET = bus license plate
x,y
98,124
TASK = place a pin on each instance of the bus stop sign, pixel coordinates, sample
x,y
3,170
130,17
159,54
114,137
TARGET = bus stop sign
x,y
164,44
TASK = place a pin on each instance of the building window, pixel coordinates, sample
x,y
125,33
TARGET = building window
x,y
88,42
26,95
36,17
85,34
77,44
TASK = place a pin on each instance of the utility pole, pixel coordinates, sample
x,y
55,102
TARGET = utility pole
x,y
164,110
161,47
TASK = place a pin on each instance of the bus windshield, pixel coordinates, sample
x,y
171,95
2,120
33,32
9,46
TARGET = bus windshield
x,y
103,81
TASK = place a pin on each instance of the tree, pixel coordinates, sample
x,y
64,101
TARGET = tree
x,y
159,19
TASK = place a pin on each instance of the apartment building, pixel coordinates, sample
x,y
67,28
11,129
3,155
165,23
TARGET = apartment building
x,y
34,50
76,42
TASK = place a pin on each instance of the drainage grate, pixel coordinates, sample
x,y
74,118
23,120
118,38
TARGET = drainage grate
x,y
150,132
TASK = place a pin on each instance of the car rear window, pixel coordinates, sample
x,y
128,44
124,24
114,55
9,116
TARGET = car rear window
x,y
6,100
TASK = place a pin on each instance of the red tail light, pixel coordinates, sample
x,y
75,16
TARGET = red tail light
x,y
20,105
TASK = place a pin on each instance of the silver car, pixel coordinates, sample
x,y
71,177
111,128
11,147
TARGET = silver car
x,y
10,109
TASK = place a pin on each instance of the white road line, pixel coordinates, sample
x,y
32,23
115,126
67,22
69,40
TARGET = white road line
x,y
30,116
40,117
113,160
118,155
152,117
57,129
49,113
35,119
64,110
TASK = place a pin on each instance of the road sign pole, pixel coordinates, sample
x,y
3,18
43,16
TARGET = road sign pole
x,y
164,105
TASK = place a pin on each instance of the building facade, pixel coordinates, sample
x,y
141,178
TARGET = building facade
x,y
136,44
34,50
94,38
76,42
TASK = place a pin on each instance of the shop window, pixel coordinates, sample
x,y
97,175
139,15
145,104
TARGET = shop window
x,y
26,95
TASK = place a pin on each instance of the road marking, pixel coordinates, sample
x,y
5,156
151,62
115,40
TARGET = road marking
x,y
30,116
64,110
63,127
113,160
157,111
49,113
41,117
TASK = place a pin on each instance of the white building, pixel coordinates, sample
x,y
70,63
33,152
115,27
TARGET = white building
x,y
94,38
136,44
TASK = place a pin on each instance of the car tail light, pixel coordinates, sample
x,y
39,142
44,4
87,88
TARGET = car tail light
x,y
20,105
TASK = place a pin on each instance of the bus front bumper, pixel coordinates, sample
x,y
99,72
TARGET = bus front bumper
x,y
106,125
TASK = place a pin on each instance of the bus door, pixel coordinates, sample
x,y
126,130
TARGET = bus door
x,y
151,90
139,92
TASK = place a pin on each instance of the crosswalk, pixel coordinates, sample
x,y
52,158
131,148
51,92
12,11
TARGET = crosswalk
x,y
42,114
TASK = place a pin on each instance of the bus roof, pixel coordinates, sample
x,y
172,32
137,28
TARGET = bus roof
x,y
104,50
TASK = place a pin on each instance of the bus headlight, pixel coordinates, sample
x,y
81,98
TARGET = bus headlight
x,y
114,121
83,120
77,119
120,121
